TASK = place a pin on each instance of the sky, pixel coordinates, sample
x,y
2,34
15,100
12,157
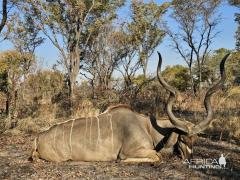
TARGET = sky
x,y
225,39
227,27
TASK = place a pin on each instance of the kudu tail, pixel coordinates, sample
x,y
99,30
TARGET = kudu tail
x,y
34,154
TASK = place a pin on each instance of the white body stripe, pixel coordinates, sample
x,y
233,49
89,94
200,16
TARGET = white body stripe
x,y
111,127
90,134
54,138
70,136
85,135
99,133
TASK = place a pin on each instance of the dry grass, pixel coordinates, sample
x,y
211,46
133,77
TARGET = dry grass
x,y
227,112
45,117
29,125
86,109
226,105
226,117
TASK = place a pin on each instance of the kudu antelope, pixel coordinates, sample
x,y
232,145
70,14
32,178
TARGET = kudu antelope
x,y
122,134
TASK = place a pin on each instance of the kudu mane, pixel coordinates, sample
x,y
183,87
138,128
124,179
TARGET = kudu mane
x,y
113,107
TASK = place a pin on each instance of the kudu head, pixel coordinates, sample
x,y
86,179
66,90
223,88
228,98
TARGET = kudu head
x,y
188,130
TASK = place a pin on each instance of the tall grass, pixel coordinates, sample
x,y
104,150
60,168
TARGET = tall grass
x,y
226,106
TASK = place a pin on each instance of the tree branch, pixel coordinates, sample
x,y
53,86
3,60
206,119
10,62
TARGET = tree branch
x,y
4,15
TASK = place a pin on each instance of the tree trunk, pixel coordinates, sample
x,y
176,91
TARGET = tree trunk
x,y
144,67
71,96
93,89
199,75
7,105
4,15
192,82
11,109
200,78
73,73
11,99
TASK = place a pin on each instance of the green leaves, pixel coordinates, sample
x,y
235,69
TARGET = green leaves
x,y
45,82
24,34
232,66
146,28
15,61
178,77
13,66
237,20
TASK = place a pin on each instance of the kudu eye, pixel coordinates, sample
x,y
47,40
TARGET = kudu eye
x,y
182,139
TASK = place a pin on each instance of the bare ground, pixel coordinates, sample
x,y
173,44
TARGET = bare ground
x,y
14,152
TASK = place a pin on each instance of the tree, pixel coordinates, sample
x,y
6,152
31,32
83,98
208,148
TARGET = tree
x,y
13,65
196,21
128,65
7,11
44,84
23,33
103,57
69,25
237,20
232,67
146,28
178,76
43,92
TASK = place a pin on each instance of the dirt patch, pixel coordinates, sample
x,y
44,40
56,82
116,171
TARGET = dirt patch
x,y
14,152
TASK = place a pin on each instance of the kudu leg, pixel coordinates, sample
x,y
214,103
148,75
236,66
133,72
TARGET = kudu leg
x,y
144,155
